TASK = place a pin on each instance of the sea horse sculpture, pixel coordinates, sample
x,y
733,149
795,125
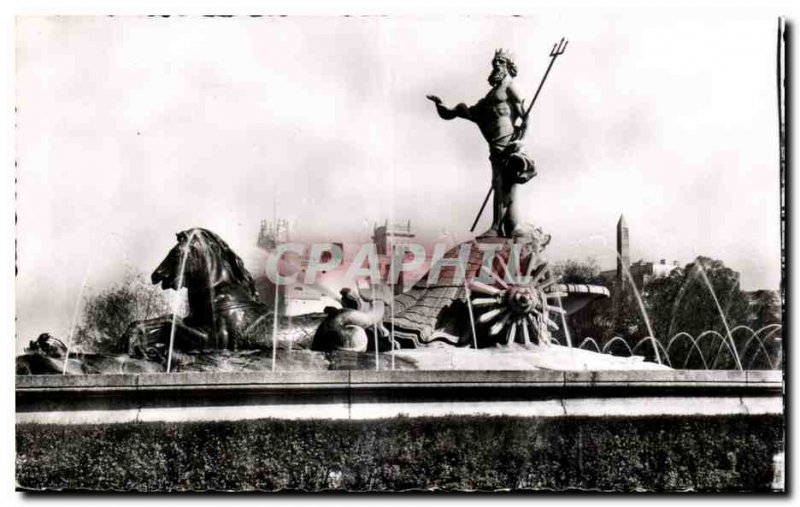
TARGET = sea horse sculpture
x,y
224,309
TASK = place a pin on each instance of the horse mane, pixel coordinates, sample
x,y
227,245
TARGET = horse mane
x,y
239,272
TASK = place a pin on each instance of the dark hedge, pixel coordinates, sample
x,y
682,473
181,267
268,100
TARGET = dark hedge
x,y
722,453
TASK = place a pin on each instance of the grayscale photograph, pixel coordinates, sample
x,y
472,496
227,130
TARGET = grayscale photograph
x,y
537,253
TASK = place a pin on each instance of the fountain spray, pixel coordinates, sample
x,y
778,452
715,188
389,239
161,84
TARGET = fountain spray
x,y
721,314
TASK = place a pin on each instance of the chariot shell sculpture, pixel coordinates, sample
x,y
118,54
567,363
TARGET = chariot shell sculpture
x,y
511,297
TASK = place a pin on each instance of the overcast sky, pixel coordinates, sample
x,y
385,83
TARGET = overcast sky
x,y
131,129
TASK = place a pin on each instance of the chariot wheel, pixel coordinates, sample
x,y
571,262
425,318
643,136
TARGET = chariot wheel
x,y
516,300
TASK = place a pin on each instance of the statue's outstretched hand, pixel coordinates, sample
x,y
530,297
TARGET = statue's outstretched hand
x,y
447,113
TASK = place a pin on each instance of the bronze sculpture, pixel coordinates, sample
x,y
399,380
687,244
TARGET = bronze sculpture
x,y
224,309
502,119
350,327
516,304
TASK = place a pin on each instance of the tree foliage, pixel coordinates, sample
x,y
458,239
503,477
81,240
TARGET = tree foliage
x,y
765,308
704,301
575,271
108,314
683,315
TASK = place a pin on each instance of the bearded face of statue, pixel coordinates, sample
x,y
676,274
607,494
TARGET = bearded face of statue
x,y
499,71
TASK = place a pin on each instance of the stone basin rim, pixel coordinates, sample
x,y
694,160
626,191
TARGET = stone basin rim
x,y
445,377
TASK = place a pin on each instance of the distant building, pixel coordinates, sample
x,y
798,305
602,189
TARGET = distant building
x,y
386,237
304,299
273,234
623,250
640,271
298,298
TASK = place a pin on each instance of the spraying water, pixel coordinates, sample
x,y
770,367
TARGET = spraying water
x,y
689,279
655,343
615,339
641,308
762,348
374,285
564,322
275,328
689,337
277,287
714,335
391,307
468,295
176,300
721,314
75,319
590,340
211,295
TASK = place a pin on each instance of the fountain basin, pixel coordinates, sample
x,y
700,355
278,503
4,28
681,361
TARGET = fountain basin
x,y
369,394
436,357
580,295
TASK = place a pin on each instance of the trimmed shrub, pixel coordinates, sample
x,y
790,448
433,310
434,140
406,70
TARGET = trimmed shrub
x,y
712,454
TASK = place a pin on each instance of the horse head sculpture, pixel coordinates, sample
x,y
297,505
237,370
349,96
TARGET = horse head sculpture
x,y
224,310
201,260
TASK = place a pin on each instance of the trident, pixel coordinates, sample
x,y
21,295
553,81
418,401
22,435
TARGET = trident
x,y
558,50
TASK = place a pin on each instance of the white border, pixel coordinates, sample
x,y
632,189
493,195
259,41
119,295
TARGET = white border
x,y
11,8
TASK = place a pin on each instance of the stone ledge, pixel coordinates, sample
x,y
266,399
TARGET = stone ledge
x,y
356,377
105,399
